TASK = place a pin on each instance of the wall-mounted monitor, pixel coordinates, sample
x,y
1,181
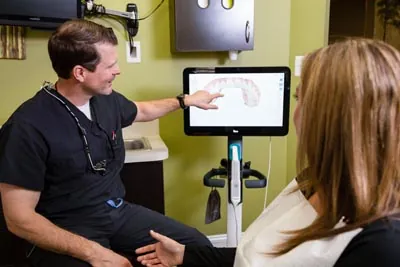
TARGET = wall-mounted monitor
x,y
44,14
255,101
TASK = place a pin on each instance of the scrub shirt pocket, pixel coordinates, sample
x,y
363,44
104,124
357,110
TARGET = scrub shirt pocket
x,y
117,143
70,165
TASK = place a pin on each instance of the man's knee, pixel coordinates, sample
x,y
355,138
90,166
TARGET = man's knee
x,y
198,238
44,258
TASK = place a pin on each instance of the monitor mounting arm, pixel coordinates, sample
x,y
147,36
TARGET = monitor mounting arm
x,y
131,16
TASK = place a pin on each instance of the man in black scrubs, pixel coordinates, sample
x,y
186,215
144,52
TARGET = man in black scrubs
x,y
61,153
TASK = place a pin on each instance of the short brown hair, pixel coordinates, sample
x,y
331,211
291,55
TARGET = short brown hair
x,y
73,44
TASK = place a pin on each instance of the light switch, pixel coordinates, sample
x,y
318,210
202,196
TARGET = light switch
x,y
298,62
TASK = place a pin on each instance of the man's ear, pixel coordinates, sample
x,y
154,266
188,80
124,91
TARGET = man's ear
x,y
79,73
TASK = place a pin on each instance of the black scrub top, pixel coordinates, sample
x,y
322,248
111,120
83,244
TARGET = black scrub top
x,y
42,149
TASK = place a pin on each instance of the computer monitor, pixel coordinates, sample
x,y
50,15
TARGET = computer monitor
x,y
43,14
255,101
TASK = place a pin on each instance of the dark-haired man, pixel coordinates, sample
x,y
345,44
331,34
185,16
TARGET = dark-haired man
x,y
61,153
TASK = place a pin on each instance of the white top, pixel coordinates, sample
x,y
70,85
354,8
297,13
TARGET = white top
x,y
289,211
86,110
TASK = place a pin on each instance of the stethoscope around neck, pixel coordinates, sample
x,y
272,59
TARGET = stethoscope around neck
x,y
99,167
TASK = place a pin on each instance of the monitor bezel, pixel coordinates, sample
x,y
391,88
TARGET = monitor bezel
x,y
239,131
40,22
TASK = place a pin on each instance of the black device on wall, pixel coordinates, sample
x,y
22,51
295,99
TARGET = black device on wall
x,y
43,14
213,27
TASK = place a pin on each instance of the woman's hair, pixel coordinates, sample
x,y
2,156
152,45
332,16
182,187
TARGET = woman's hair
x,y
349,138
73,43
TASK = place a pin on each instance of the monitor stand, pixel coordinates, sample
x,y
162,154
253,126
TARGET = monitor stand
x,y
235,173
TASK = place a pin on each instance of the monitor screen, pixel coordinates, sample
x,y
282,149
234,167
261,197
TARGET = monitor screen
x,y
255,101
41,14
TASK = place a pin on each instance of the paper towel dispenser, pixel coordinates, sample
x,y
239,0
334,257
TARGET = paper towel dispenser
x,y
212,27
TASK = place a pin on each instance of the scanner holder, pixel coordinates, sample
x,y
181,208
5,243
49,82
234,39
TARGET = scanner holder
x,y
130,15
235,173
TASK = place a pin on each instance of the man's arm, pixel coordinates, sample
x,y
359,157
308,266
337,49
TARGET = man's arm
x,y
168,252
151,110
22,220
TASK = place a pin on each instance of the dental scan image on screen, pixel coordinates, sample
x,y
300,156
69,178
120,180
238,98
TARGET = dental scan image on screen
x,y
250,99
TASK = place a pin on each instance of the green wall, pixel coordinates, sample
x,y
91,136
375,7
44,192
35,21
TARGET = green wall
x,y
283,28
309,29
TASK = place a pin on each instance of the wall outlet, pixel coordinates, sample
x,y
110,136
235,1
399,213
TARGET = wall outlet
x,y
133,55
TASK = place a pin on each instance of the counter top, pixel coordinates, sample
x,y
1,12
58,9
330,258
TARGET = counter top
x,y
158,151
150,132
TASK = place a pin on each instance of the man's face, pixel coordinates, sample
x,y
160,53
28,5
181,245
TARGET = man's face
x,y
100,81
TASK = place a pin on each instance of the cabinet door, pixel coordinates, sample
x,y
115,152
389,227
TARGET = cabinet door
x,y
144,184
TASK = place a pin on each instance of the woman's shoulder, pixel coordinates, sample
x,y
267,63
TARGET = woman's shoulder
x,y
376,245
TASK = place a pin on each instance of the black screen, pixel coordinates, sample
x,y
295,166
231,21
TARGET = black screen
x,y
38,13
